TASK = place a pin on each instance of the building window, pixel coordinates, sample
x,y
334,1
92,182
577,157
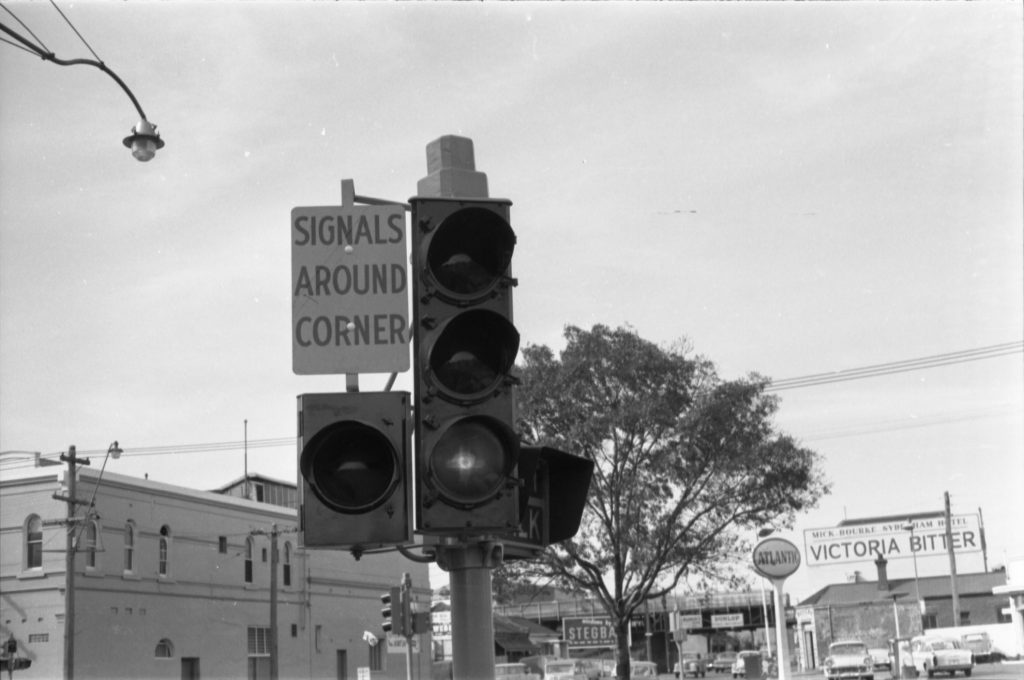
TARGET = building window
x,y
1003,614
929,621
287,568
965,618
92,533
222,545
164,550
129,547
37,638
248,560
33,542
377,655
164,649
295,630
259,652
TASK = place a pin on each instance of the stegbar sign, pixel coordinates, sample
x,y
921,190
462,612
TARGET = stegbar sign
x,y
588,632
350,309
865,542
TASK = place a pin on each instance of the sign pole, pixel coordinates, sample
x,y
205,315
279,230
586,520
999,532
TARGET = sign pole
x,y
776,559
780,630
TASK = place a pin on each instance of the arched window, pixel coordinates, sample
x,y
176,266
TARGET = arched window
x,y
129,546
33,542
92,535
248,559
287,564
164,649
163,558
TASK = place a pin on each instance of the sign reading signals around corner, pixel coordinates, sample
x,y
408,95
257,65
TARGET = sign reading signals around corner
x,y
350,308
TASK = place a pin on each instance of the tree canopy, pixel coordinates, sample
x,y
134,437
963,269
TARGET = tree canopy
x,y
685,462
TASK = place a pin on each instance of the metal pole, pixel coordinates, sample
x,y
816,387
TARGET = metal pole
x,y
764,612
952,564
469,568
273,603
407,614
780,631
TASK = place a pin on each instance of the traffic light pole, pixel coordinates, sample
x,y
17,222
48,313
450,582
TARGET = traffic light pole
x,y
469,568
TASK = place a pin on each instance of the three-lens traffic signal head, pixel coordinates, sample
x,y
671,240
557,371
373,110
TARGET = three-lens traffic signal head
x,y
393,612
464,349
354,464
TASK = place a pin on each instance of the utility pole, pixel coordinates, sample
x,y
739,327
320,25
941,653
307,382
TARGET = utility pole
x,y
952,563
274,532
69,561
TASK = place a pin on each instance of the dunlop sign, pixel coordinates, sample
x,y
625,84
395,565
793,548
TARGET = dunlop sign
x,y
350,309
776,558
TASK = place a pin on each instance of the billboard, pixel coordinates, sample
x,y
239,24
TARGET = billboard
x,y
889,538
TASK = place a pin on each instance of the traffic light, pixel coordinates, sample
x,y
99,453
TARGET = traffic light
x,y
464,347
355,466
393,612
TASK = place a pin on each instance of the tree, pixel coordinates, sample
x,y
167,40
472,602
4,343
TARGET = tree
x,y
684,463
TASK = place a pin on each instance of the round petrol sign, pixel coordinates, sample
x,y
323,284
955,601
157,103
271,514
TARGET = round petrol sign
x,y
776,558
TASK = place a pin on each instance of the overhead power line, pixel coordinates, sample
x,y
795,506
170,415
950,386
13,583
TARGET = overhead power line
x,y
875,370
893,367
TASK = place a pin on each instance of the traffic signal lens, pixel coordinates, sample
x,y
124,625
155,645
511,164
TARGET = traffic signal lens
x,y
469,254
350,466
471,461
472,354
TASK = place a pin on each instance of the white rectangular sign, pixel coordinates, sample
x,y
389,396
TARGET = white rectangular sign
x,y
727,620
350,307
687,622
397,645
865,542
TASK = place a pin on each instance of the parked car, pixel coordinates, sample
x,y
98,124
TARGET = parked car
x,y
723,662
933,654
980,645
642,670
691,664
565,669
739,666
849,659
513,671
880,655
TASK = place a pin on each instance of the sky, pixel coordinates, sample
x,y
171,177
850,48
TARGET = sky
x,y
792,188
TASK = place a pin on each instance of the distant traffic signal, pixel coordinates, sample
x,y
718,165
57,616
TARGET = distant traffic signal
x,y
393,612
464,348
354,463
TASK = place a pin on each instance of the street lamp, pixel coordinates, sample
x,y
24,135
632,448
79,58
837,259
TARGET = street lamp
x,y
144,140
909,526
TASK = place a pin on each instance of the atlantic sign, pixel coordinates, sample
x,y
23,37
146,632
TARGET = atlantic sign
x,y
776,558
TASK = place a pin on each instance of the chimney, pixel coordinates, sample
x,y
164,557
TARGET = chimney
x,y
883,572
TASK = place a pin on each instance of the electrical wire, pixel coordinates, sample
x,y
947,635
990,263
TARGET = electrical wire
x,y
812,380
87,45
891,368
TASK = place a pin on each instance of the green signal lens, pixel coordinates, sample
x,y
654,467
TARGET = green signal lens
x,y
350,466
471,461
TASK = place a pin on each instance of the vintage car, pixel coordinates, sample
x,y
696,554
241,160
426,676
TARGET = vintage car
x,y
933,654
565,669
513,671
723,662
739,666
880,655
980,645
849,659
691,664
642,670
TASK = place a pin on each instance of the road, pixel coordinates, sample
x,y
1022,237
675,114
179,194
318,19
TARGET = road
x,y
1011,670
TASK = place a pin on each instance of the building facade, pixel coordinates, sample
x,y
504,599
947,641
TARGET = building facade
x,y
170,582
